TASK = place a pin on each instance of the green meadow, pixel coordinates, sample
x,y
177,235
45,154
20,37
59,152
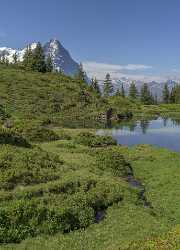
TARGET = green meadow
x,y
64,187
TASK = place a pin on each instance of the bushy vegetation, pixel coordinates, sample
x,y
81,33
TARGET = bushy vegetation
x,y
51,96
91,140
54,189
39,134
113,161
10,136
41,194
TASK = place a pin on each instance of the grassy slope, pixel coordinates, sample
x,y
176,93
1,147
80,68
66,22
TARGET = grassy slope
x,y
28,96
126,221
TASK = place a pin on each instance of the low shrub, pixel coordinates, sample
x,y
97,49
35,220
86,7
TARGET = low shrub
x,y
114,161
39,134
91,140
25,167
10,136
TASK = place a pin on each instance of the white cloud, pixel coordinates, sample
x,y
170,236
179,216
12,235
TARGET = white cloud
x,y
114,67
131,71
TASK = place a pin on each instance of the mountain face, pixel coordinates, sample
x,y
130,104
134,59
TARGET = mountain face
x,y
61,58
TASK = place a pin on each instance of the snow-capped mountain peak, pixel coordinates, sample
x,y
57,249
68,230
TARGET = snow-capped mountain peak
x,y
61,58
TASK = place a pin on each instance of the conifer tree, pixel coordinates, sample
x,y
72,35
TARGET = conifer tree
x,y
39,63
155,99
28,59
81,74
108,87
146,97
49,64
133,92
15,58
95,86
166,94
118,93
172,96
122,91
3,59
6,61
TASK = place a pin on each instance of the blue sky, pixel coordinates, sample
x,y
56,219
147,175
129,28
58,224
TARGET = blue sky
x,y
107,35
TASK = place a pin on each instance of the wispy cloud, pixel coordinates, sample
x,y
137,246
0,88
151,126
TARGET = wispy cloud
x,y
141,72
114,67
101,69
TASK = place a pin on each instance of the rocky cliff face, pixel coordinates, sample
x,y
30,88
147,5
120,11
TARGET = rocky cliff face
x,y
61,58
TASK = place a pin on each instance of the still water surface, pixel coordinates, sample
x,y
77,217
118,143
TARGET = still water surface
x,y
160,132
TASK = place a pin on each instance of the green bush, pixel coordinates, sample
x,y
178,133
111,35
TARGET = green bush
x,y
114,161
60,206
25,167
39,134
10,136
91,140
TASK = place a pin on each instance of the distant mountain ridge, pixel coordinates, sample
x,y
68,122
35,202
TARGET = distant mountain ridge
x,y
155,87
61,58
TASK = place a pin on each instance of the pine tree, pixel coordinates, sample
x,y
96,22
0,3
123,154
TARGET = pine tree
x,y
81,74
146,97
166,94
3,59
133,92
118,93
39,63
155,99
15,58
108,87
49,64
6,61
122,91
28,59
95,86
172,96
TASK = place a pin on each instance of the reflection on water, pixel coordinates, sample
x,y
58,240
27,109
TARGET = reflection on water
x,y
160,132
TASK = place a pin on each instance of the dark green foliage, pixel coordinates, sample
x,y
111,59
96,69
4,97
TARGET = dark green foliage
x,y
92,140
146,96
3,114
108,87
39,134
10,136
15,58
172,95
29,218
95,86
133,92
49,64
39,63
28,58
123,91
81,76
166,94
27,167
109,160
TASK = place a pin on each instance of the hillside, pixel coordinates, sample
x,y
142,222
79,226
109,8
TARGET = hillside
x,y
64,188
54,97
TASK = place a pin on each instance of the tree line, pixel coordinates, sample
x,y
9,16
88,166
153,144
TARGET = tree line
x,y
145,96
34,60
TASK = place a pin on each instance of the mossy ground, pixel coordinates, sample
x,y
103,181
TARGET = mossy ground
x,y
127,224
